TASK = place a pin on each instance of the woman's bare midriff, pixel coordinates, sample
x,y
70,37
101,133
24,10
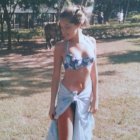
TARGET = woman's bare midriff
x,y
76,80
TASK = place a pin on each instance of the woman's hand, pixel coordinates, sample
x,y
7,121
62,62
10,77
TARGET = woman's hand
x,y
93,108
52,112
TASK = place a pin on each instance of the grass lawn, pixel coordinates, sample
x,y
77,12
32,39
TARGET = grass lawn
x,y
25,92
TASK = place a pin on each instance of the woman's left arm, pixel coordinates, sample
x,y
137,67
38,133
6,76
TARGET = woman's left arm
x,y
94,78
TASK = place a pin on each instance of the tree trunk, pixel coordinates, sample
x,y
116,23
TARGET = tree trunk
x,y
59,8
9,34
106,16
19,20
33,19
107,12
2,33
7,18
126,11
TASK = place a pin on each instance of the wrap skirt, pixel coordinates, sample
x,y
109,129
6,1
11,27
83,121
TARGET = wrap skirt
x,y
83,119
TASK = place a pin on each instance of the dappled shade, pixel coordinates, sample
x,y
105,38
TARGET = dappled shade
x,y
128,57
25,75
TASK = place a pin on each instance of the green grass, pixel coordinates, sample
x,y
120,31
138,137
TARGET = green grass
x,y
25,34
25,93
118,119
115,26
135,18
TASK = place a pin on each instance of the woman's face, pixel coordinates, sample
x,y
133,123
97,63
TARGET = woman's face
x,y
69,30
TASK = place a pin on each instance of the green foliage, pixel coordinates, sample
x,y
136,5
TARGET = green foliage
x,y
27,34
113,31
111,7
135,18
9,6
36,3
76,1
24,34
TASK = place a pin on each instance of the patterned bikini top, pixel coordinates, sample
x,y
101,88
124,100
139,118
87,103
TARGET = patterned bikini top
x,y
71,62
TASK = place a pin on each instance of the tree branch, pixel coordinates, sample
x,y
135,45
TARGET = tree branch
x,y
14,8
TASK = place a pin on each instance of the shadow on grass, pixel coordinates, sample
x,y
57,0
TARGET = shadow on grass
x,y
107,73
23,76
24,82
135,41
113,39
129,57
23,47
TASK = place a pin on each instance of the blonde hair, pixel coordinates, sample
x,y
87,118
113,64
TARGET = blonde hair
x,y
75,15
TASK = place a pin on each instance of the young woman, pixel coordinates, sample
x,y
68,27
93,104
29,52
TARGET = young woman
x,y
77,96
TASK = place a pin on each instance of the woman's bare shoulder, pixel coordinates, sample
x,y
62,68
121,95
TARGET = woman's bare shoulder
x,y
59,46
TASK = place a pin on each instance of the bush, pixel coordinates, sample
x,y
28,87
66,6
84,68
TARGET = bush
x,y
113,31
135,19
23,34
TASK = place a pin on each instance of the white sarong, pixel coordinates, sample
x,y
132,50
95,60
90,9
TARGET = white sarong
x,y
83,121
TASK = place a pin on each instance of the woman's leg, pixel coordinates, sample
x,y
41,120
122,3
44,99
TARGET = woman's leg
x,y
65,125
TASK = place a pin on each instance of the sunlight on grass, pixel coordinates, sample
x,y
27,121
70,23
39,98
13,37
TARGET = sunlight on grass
x,y
25,93
119,119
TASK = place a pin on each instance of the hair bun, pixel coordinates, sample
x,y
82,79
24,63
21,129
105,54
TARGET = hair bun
x,y
75,15
77,11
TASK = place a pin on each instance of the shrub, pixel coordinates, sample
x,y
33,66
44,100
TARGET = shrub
x,y
135,18
113,31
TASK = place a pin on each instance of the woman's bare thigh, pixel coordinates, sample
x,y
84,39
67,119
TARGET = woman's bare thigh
x,y
65,125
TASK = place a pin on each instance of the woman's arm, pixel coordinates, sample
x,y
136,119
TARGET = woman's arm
x,y
94,97
55,77
94,78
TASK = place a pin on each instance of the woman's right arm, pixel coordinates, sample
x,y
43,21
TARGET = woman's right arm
x,y
55,77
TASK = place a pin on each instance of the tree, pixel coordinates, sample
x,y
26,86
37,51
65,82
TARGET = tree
x,y
35,5
59,6
9,6
105,6
83,2
112,6
2,23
